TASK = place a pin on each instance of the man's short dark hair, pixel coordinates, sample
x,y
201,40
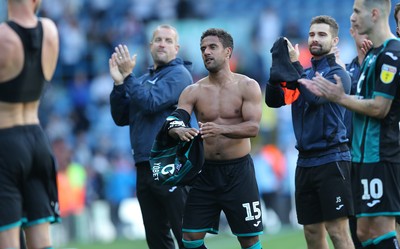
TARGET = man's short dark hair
x,y
224,37
334,26
383,5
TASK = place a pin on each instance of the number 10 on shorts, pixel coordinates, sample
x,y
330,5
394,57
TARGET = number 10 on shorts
x,y
373,189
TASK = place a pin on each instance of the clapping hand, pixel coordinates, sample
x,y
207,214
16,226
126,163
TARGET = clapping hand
x,y
121,64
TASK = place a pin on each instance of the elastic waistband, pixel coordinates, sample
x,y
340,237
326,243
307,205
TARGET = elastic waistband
x,y
227,162
20,128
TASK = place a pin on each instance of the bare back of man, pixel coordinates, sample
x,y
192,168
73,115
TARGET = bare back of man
x,y
12,61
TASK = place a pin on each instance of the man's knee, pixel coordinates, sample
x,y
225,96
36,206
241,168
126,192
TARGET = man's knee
x,y
314,232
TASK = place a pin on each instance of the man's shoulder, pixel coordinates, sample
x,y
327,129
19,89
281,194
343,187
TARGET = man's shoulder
x,y
8,37
180,63
201,82
353,64
244,79
393,45
176,67
340,71
390,53
9,43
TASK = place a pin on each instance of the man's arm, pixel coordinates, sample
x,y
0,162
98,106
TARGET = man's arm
x,y
119,103
386,86
163,94
377,107
165,89
311,98
186,102
119,98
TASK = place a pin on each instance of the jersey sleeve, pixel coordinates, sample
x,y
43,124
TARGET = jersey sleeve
x,y
387,75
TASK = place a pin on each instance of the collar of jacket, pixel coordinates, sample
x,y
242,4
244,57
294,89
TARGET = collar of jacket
x,y
329,59
174,62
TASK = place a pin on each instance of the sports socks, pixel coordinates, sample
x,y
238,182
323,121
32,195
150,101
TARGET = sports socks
x,y
194,244
385,241
367,244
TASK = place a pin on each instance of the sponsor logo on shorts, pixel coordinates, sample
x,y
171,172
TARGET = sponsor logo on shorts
x,y
339,207
56,207
257,224
172,189
373,203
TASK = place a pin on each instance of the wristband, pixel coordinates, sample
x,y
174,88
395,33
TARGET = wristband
x,y
175,124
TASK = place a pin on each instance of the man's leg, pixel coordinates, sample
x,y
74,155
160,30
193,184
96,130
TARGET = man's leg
x,y
174,205
315,235
378,232
339,233
252,242
386,241
353,231
10,238
398,228
194,240
155,219
38,236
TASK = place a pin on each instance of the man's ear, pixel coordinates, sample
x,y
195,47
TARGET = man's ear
x,y
229,52
375,13
335,41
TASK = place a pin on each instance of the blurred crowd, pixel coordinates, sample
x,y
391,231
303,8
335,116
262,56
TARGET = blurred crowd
x,y
94,155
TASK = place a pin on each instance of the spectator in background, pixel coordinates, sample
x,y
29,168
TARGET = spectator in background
x,y
120,184
270,169
268,27
71,181
144,103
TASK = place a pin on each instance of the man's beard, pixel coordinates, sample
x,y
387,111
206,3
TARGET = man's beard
x,y
319,52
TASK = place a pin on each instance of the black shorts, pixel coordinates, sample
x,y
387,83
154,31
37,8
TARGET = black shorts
x,y
229,186
376,189
323,192
28,189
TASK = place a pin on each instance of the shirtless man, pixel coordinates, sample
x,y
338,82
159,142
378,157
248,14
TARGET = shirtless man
x,y
228,108
29,49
